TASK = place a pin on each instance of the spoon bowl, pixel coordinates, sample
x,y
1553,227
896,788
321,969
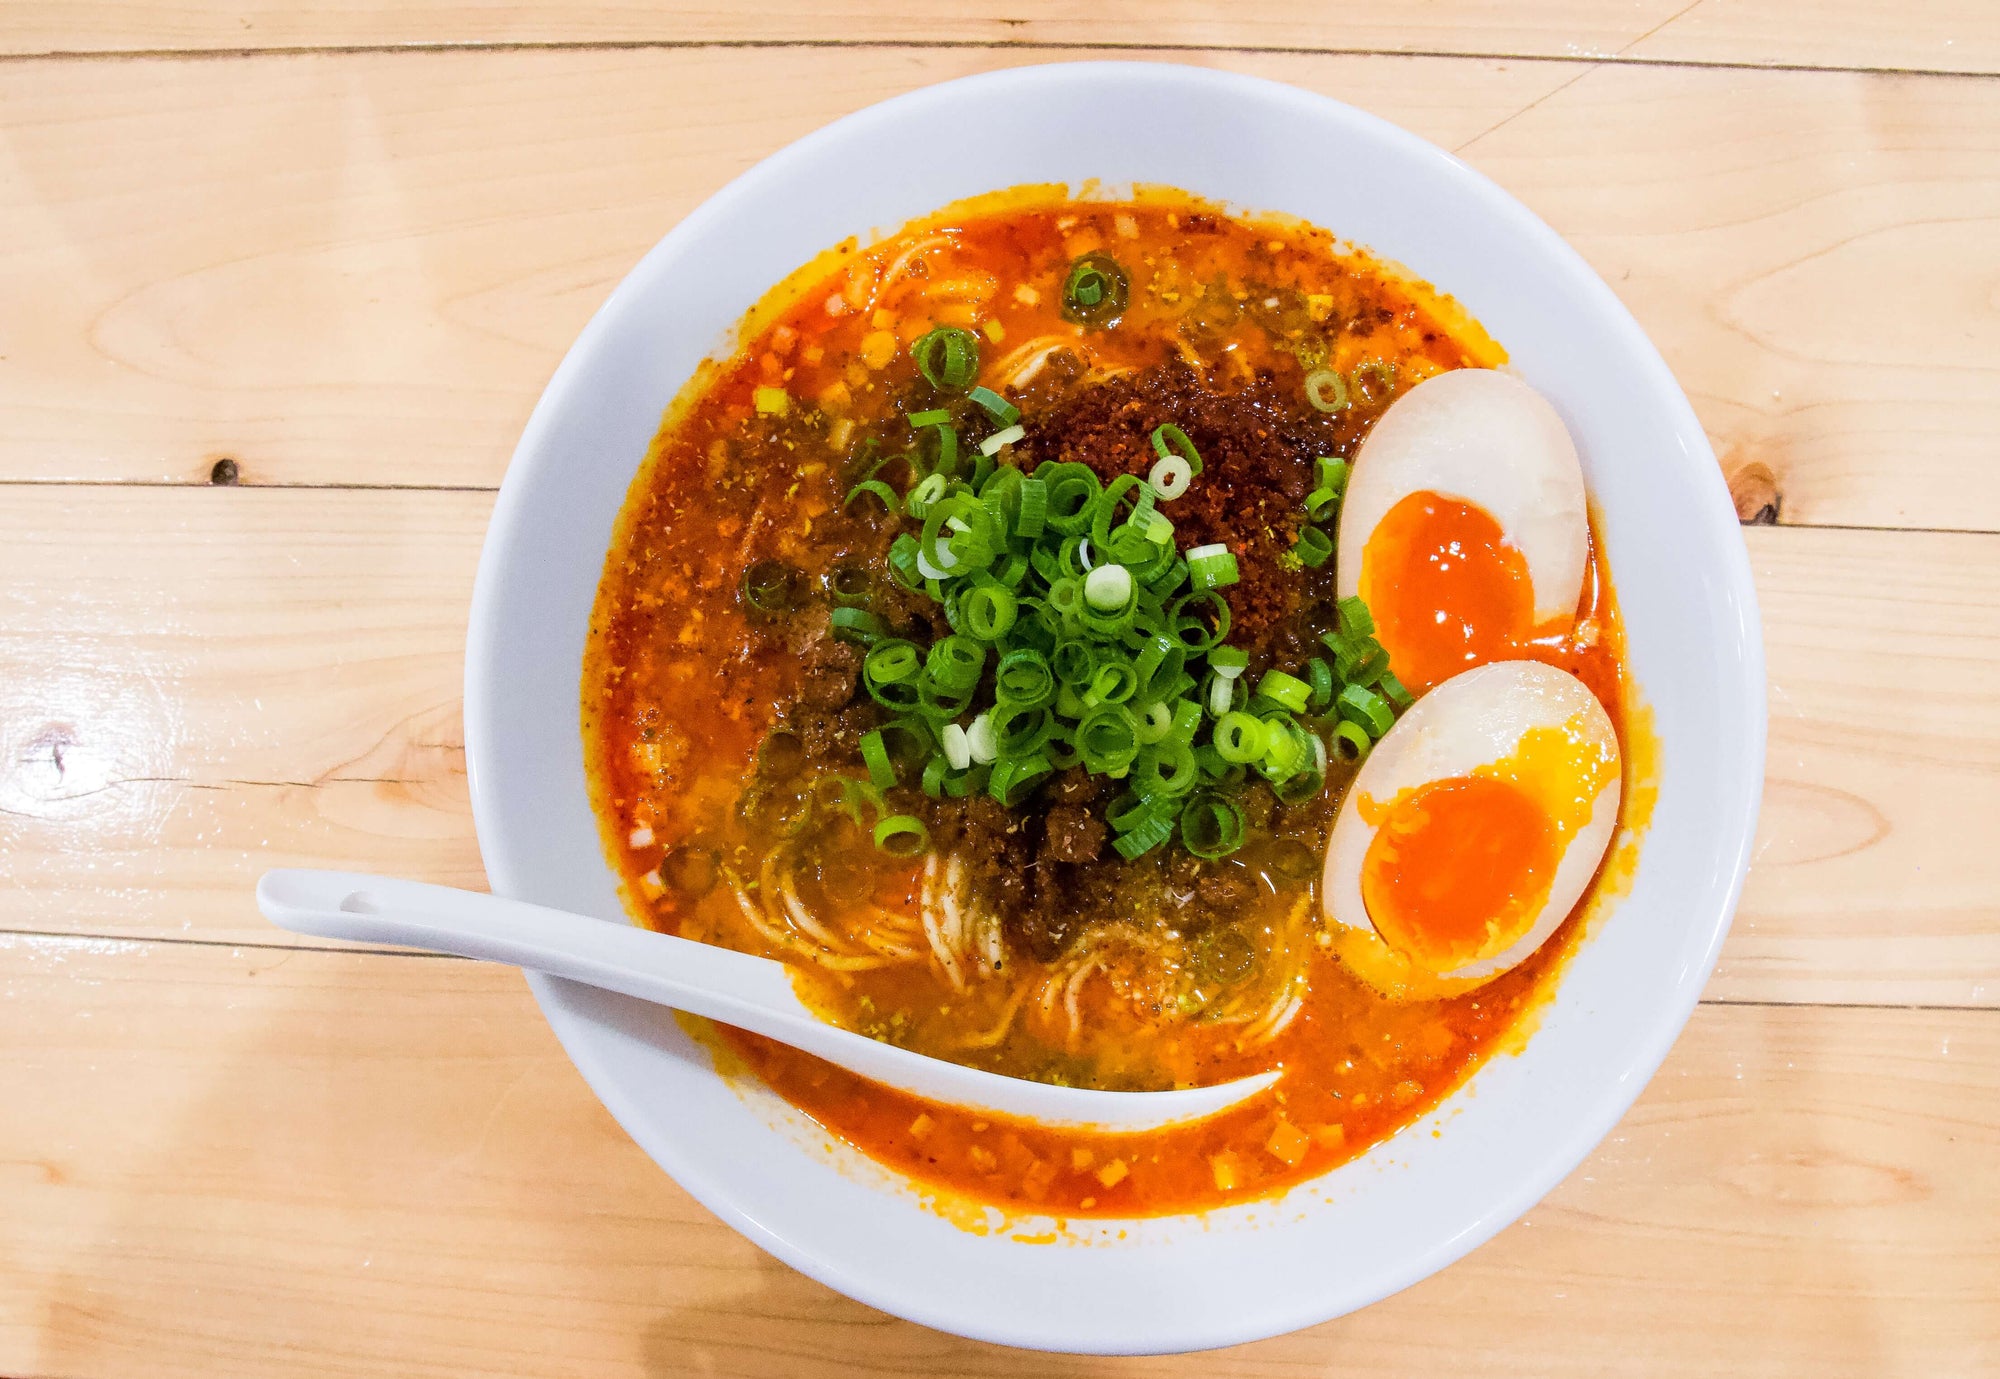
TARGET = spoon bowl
x,y
737,989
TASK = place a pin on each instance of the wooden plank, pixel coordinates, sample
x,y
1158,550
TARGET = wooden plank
x,y
1933,35
445,222
255,1162
294,701
1883,772
236,679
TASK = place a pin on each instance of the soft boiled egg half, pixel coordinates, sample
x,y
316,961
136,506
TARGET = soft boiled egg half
x,y
1463,528
1471,830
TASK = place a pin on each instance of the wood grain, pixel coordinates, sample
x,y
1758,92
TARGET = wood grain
x,y
330,1164
290,697
1931,35
360,268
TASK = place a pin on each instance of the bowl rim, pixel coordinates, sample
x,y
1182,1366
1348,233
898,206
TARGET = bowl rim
x,y
1737,809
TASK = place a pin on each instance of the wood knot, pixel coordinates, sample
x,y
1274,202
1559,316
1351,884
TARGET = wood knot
x,y
1754,490
225,471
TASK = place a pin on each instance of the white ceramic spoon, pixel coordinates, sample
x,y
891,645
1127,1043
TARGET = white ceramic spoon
x,y
748,992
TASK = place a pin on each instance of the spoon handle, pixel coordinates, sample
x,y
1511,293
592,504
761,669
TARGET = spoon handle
x,y
738,988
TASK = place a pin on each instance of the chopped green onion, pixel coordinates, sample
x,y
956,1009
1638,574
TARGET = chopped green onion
x,y
1321,502
1166,768
1156,720
902,835
1108,737
1329,472
849,584
771,402
947,357
1018,731
1320,675
955,663
957,748
928,491
891,662
1302,784
1015,777
945,462
999,440
1024,679
1224,693
1108,588
1351,740
770,586
1170,442
1143,839
1170,477
1228,661
1073,662
1211,567
996,406
1188,629
858,625
1288,690
988,611
1211,825
937,416
1313,547
1133,810
875,487
1034,511
1114,683
1326,391
1392,690
1354,617
875,754
1073,493
980,739
1240,737
935,770
1095,290
1359,704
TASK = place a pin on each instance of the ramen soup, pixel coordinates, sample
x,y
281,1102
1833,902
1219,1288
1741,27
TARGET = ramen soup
x,y
1008,633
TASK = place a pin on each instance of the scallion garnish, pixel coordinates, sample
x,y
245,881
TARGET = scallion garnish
x,y
999,440
1211,567
1326,390
947,357
1095,290
902,835
1002,411
1287,690
1170,477
1170,442
875,755
770,586
1313,547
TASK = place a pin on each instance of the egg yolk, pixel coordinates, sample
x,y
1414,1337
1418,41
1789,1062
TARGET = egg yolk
x,y
1457,869
1446,589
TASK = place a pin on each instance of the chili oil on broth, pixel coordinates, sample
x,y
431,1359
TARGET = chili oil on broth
x,y
706,722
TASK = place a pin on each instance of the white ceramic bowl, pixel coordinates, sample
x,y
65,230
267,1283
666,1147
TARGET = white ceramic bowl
x,y
1416,1202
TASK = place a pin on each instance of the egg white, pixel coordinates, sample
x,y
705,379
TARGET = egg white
x,y
1472,720
1490,440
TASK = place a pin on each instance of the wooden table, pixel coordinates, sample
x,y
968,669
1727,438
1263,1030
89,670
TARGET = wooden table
x,y
278,286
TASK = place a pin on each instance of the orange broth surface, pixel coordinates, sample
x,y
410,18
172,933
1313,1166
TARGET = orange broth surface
x,y
681,685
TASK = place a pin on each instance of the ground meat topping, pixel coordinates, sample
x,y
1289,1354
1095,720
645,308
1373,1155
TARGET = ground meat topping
x,y
1257,445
